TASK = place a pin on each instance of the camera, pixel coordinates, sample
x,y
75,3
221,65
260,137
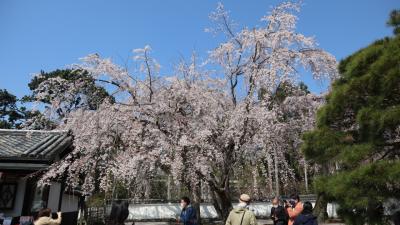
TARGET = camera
x,y
290,202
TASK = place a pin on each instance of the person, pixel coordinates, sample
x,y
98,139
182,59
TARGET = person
x,y
188,214
278,213
241,215
306,217
396,218
293,208
44,218
119,212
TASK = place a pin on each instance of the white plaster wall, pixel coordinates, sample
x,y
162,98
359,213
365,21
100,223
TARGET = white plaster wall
x,y
332,210
172,210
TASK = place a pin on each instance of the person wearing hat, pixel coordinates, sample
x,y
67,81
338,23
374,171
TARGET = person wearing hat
x,y
241,215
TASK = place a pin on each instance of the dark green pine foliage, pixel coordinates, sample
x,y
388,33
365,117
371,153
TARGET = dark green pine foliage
x,y
14,115
11,115
394,21
89,95
357,139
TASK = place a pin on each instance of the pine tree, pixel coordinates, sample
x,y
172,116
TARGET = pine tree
x,y
357,138
11,114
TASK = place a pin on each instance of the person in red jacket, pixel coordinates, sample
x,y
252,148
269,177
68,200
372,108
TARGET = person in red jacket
x,y
293,208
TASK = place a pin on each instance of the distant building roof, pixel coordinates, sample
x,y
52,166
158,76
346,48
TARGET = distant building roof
x,y
33,144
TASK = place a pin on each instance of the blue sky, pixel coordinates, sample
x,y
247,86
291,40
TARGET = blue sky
x,y
47,34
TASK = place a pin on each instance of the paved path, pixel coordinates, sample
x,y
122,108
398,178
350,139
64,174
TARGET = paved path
x,y
260,222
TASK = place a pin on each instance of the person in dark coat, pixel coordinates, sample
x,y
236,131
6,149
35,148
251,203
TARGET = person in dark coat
x,y
188,215
306,217
119,212
278,213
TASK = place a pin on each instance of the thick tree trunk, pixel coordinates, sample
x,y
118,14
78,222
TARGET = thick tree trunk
x,y
205,192
270,182
222,203
320,209
255,182
196,200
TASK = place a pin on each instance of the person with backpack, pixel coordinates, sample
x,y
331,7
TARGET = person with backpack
x,y
241,215
306,217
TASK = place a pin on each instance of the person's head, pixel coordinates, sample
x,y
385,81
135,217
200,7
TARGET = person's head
x,y
185,201
295,198
119,212
44,212
275,202
245,198
307,208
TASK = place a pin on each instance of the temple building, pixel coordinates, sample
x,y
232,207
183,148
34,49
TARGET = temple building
x,y
24,154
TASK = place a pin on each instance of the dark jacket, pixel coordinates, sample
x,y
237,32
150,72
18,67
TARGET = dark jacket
x,y
306,219
188,216
279,215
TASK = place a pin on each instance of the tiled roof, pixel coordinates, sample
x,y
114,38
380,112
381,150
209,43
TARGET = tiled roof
x,y
32,144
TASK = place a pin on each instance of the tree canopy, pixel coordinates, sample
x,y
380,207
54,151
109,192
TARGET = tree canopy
x,y
77,88
198,125
394,21
11,115
357,139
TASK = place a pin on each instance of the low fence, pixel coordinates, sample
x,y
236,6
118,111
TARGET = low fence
x,y
93,216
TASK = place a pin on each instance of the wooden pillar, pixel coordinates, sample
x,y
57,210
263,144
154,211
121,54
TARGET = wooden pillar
x,y
60,198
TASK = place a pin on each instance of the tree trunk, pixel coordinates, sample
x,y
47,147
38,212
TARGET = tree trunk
x,y
270,183
169,188
205,192
255,182
305,176
320,209
276,173
196,200
222,203
322,202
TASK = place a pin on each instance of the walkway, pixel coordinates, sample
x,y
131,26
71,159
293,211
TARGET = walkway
x,y
260,222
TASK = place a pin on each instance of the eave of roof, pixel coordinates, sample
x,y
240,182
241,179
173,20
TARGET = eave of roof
x,y
4,166
23,145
